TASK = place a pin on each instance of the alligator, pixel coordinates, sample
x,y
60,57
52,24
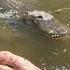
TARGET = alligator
x,y
45,21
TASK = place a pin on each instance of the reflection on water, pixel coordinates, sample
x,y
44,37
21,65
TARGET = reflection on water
x,y
28,41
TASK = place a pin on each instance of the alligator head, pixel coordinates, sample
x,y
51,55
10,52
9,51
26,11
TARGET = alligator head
x,y
49,24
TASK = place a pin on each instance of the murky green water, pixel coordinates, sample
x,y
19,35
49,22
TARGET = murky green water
x,y
30,42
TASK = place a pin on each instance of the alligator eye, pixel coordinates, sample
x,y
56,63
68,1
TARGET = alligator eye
x,y
40,17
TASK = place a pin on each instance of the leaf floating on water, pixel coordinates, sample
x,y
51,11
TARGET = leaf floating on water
x,y
65,50
44,68
68,24
55,53
57,69
4,27
58,10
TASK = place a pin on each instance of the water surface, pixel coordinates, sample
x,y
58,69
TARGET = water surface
x,y
30,42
